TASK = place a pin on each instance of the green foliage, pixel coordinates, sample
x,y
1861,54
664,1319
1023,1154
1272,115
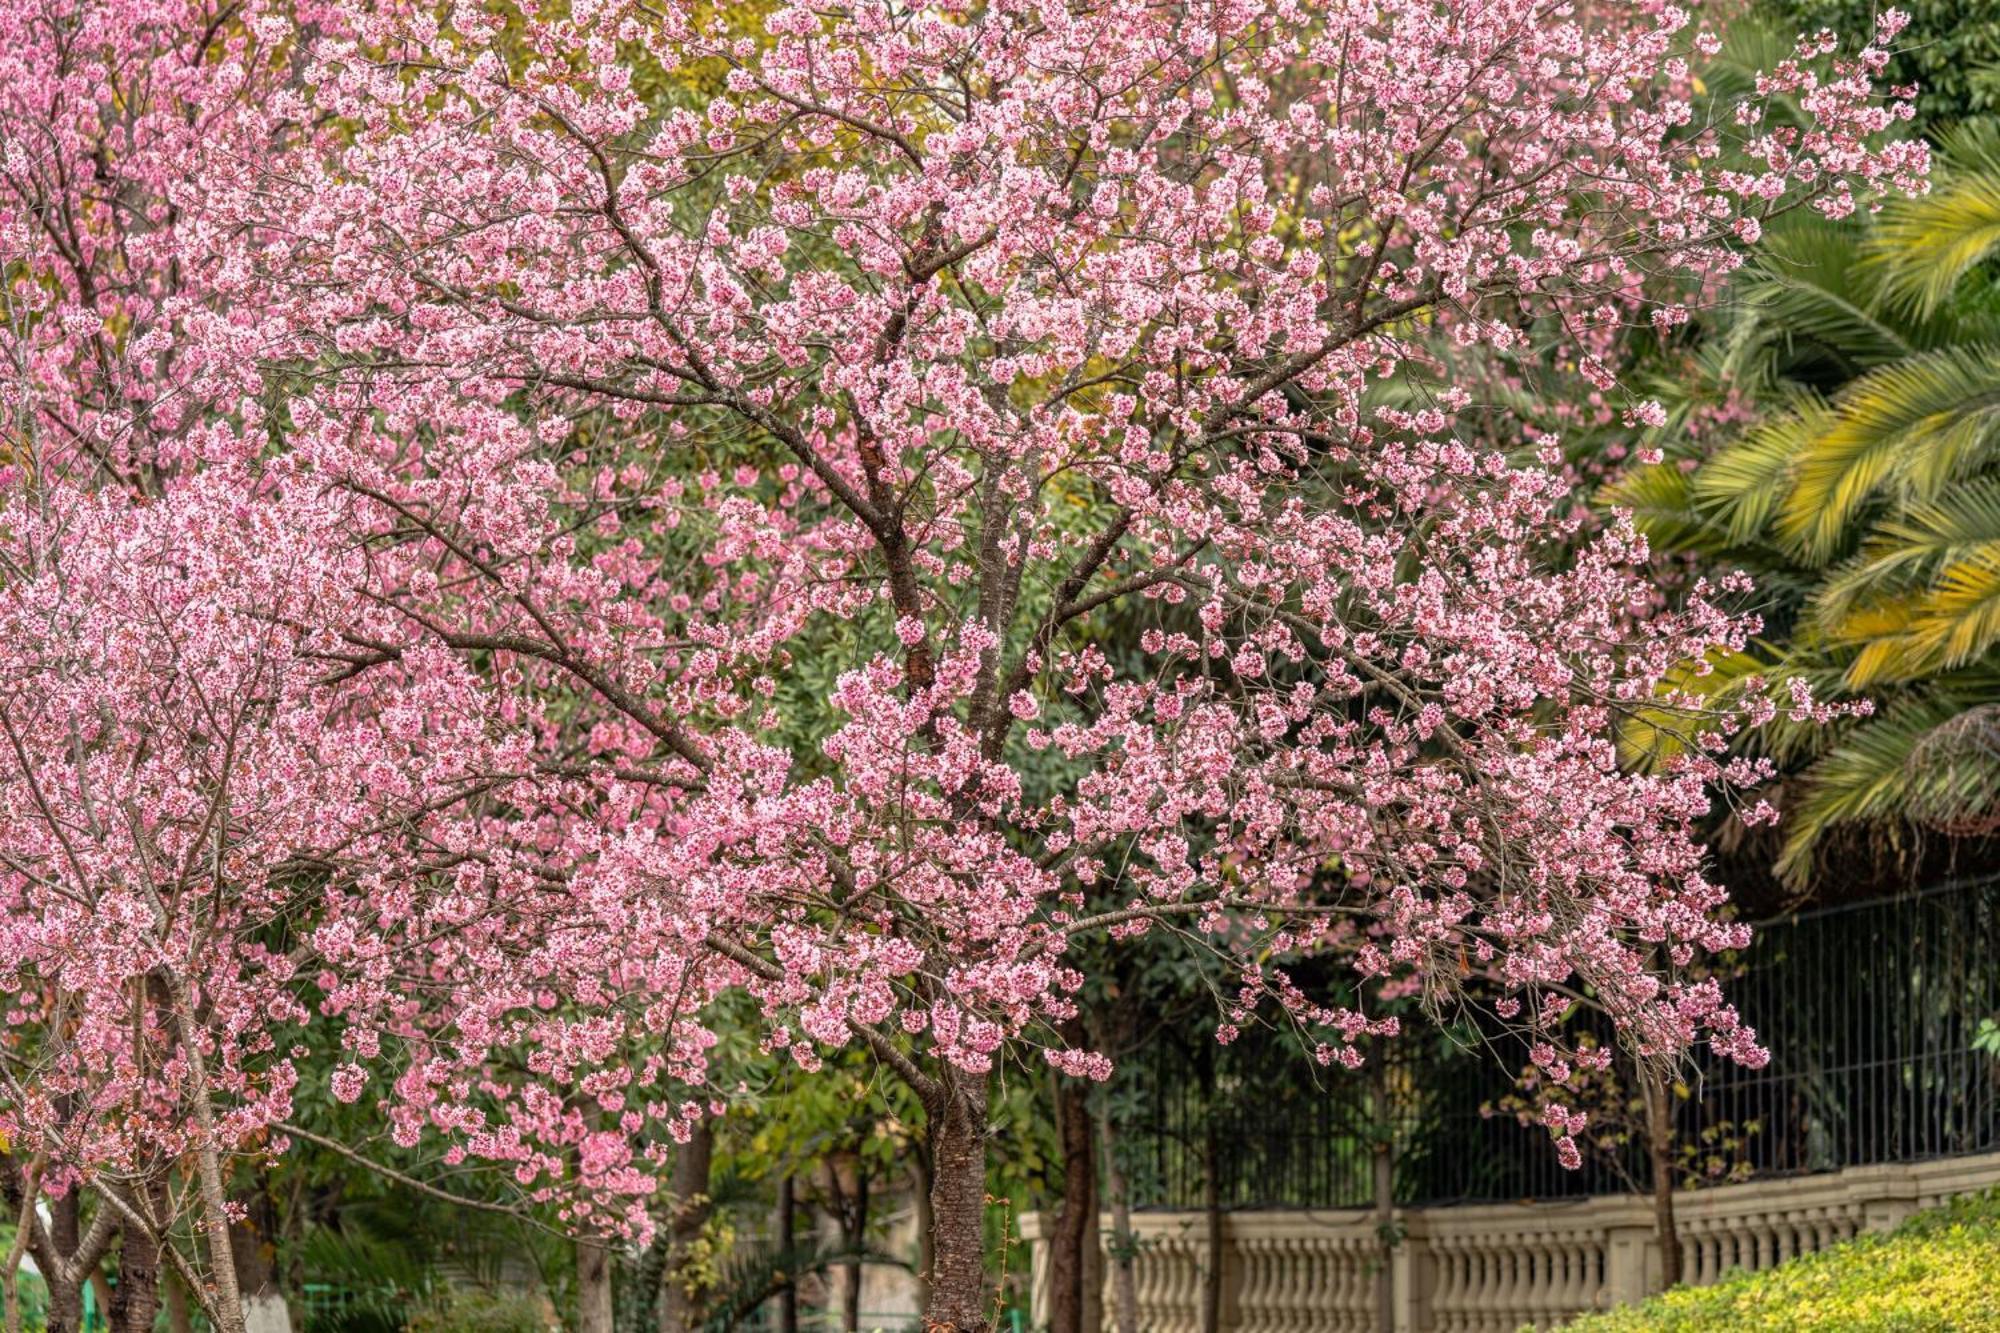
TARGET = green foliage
x,y
1951,48
1866,499
1935,1272
467,1309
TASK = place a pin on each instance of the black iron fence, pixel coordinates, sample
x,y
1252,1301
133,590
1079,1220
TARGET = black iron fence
x,y
1871,1013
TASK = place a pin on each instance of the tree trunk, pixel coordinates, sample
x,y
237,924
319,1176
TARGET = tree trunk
x,y
137,1298
593,1285
920,1167
850,1210
1385,1198
1124,1283
227,1304
65,1295
100,1293
1068,1262
681,1296
253,1251
179,1318
788,1243
957,1115
1660,1143
1211,1208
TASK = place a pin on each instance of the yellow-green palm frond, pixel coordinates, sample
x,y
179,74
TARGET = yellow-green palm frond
x,y
1925,246
1919,423
1923,595
1741,486
1660,500
1652,735
1932,757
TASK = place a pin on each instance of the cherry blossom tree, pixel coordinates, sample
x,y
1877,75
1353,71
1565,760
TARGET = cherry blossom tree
x,y
840,541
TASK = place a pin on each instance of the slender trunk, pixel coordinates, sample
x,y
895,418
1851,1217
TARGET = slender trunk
x,y
1211,1207
788,1242
1660,1142
100,1292
254,1251
593,1285
681,1295
227,1304
1385,1199
179,1318
137,1298
920,1167
957,1115
850,1206
1067,1259
1124,1284
10,1276
1093,1260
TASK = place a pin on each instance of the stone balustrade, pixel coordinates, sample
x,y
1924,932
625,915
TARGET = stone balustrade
x,y
1493,1268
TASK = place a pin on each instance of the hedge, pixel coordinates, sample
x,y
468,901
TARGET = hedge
x,y
1940,1271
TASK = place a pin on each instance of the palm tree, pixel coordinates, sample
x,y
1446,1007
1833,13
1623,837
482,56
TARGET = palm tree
x,y
1867,500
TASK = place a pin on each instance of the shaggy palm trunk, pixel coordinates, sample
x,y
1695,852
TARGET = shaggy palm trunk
x,y
957,1112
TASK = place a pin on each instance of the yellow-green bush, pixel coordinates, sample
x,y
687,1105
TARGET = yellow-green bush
x,y
1938,1271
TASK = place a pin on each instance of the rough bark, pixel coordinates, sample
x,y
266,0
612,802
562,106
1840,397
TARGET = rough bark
x,y
136,1299
1068,1261
593,1285
1660,1145
681,1299
957,1112
57,1262
1124,1283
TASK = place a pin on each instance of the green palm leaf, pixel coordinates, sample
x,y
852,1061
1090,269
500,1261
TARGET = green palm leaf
x,y
1926,246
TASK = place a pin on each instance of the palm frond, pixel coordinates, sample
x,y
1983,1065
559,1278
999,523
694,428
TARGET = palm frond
x,y
1811,285
1921,423
1742,484
1661,501
1923,247
1922,757
1924,594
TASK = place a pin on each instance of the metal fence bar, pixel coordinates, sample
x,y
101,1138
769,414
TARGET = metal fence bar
x,y
1869,1010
